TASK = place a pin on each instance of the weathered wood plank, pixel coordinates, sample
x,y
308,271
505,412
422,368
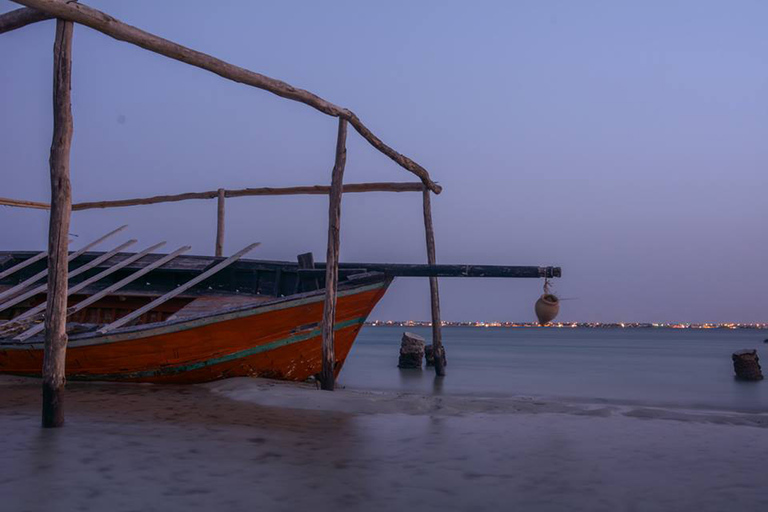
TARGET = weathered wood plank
x,y
434,294
21,18
277,283
24,264
54,354
13,291
110,289
80,286
220,223
307,282
79,270
112,27
328,373
176,291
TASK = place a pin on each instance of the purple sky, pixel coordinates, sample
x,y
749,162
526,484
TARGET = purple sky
x,y
623,142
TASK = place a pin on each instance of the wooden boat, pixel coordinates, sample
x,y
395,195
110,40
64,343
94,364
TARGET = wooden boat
x,y
248,318
252,318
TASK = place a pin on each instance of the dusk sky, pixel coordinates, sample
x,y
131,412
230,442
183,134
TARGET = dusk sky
x,y
622,141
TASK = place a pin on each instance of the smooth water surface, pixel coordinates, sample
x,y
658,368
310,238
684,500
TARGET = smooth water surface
x,y
681,367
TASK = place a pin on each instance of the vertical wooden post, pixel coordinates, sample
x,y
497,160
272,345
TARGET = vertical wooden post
x,y
220,224
58,230
434,293
328,375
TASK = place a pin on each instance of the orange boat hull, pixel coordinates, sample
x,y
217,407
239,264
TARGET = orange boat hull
x,y
280,339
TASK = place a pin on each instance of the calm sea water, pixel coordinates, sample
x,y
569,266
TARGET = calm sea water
x,y
689,368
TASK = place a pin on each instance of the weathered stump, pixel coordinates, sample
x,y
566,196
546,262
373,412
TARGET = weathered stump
x,y
411,351
746,364
429,356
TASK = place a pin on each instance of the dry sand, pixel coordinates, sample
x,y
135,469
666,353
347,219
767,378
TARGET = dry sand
x,y
247,444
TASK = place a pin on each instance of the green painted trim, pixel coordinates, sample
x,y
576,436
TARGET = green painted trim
x,y
173,370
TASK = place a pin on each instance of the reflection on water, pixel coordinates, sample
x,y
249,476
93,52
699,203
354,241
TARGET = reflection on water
x,y
169,448
410,376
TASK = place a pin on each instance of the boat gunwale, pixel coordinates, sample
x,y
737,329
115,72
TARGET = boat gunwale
x,y
129,333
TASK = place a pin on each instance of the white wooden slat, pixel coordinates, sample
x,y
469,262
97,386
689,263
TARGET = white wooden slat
x,y
176,291
76,272
106,291
23,264
41,307
44,273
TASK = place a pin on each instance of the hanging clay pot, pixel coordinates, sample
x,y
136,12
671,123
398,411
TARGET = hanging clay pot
x,y
547,308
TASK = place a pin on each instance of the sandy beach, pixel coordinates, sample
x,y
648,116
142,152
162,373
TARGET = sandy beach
x,y
245,444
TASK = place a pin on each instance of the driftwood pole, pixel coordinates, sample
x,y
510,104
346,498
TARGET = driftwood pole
x,y
220,224
437,334
58,231
328,375
115,28
21,18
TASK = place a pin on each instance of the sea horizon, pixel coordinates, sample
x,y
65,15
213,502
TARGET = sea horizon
x,y
571,325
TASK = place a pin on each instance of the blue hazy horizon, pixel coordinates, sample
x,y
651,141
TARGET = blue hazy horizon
x,y
622,142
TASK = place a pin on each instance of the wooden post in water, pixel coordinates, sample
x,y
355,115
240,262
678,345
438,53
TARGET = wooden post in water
x,y
437,334
327,375
220,224
58,230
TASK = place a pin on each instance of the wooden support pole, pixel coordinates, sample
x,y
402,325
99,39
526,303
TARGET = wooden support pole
x,y
21,18
58,232
328,373
220,224
434,293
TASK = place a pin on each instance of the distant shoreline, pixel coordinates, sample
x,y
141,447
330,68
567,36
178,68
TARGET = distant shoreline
x,y
571,325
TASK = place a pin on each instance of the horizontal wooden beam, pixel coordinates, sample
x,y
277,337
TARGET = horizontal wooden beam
x,y
325,189
106,24
21,18
407,270
20,203
212,194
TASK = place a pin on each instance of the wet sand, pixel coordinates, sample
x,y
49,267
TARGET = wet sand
x,y
247,444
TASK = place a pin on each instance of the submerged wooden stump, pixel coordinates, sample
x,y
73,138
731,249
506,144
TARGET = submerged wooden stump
x,y
411,351
429,356
746,364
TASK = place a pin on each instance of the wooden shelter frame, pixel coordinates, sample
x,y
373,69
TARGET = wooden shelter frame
x,y
67,13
